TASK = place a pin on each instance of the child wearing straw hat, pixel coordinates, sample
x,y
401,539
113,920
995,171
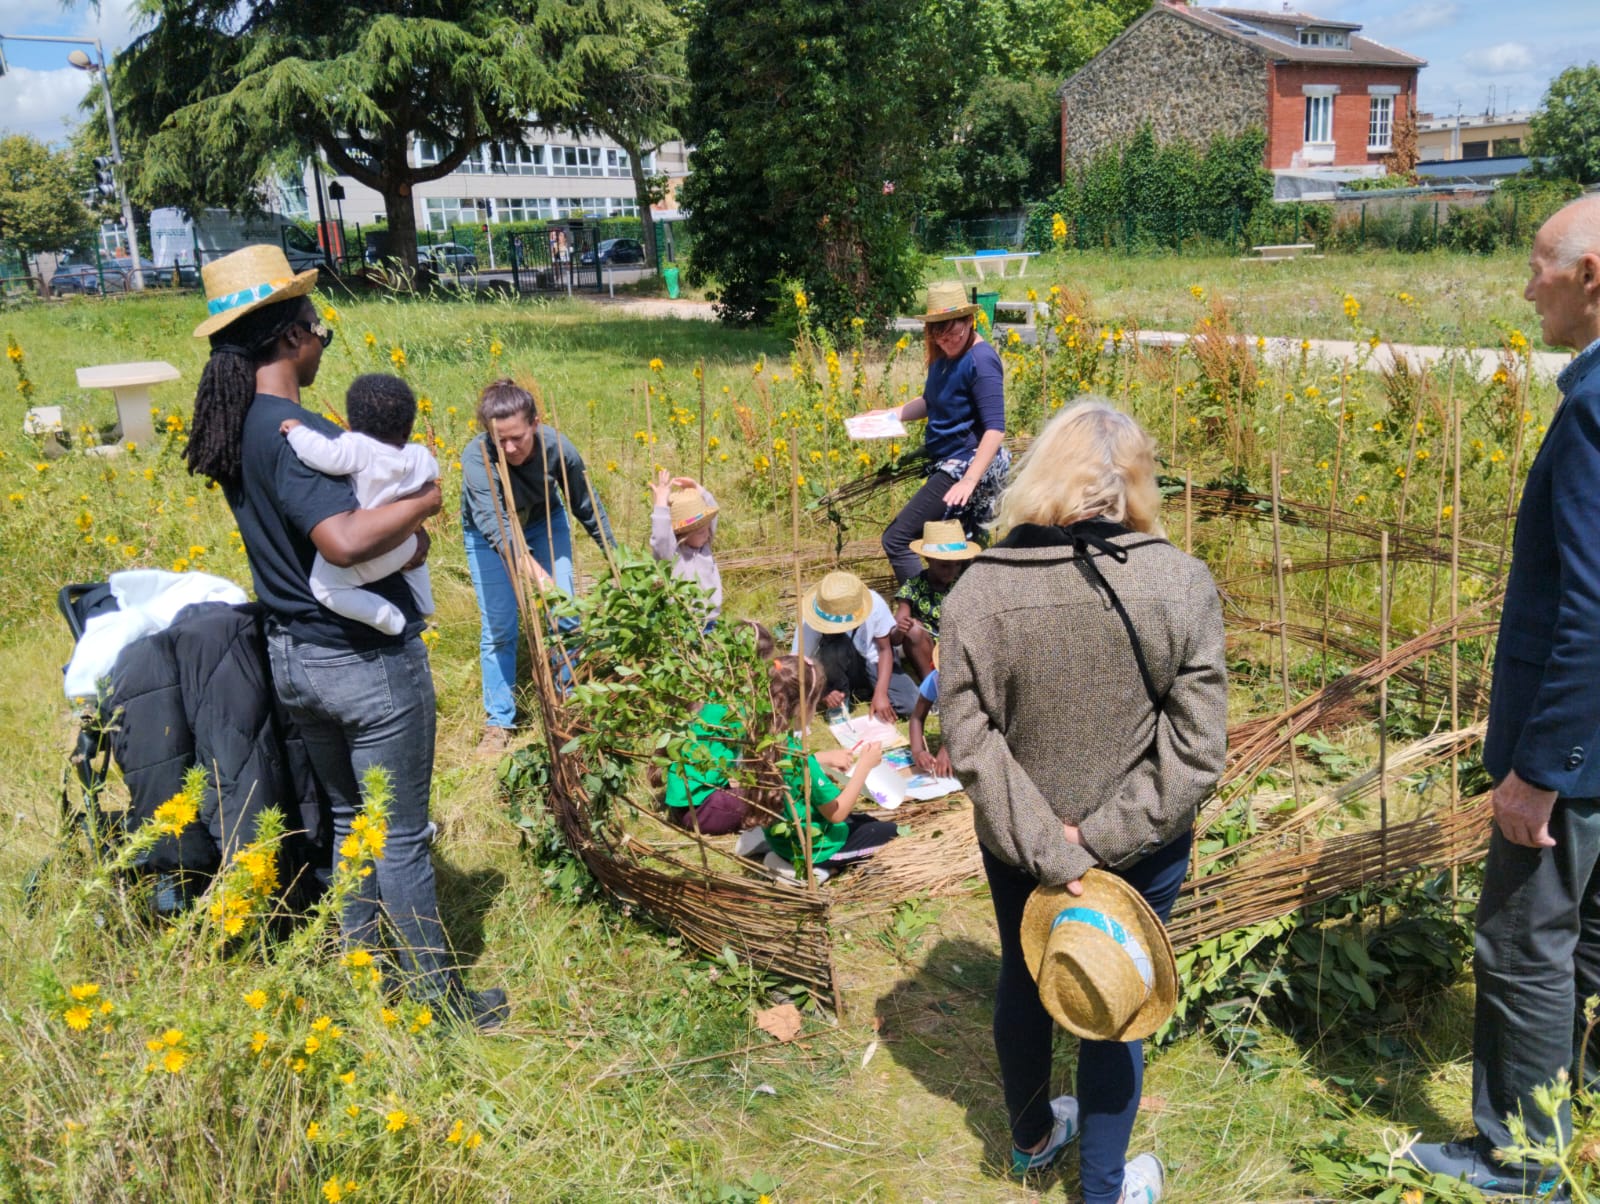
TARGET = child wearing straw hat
x,y
683,522
945,551
847,627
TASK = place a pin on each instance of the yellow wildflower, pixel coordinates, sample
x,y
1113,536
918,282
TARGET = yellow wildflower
x,y
84,990
424,1017
348,1078
174,1060
656,365
800,302
78,1017
258,1041
1198,293
176,814
455,1132
370,339
474,1141
388,1015
394,1121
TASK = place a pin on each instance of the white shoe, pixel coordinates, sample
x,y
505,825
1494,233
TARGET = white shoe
x,y
781,867
1065,1110
752,843
1143,1180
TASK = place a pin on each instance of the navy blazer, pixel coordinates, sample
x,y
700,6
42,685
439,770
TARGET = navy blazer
x,y
1544,704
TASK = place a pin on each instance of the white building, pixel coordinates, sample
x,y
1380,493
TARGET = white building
x,y
549,174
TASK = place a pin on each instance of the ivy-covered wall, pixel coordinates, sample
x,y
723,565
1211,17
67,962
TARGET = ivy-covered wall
x,y
1164,72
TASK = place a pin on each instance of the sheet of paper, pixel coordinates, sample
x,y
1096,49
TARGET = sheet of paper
x,y
864,729
880,425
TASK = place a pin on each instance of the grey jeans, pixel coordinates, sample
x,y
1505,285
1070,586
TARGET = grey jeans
x,y
1537,960
357,710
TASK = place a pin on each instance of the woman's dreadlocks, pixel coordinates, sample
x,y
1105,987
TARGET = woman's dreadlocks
x,y
228,386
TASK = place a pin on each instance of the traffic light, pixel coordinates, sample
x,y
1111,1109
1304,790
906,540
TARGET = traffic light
x,y
104,181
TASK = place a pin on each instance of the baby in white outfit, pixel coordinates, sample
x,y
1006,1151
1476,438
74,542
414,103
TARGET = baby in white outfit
x,y
383,465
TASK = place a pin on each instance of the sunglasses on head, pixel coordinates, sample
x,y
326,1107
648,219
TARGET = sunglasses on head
x,y
323,334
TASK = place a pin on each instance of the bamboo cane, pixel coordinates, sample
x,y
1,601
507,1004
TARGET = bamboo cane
x,y
1383,704
1188,510
1455,613
700,371
1511,510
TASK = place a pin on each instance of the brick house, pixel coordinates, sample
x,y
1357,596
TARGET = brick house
x,y
1327,98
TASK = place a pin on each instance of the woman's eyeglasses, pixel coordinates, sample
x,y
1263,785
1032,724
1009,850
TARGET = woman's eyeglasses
x,y
323,334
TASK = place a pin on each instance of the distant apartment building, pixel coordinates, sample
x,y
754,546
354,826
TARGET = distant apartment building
x,y
546,175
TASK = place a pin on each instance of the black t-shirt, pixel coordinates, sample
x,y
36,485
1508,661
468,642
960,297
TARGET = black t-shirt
x,y
278,503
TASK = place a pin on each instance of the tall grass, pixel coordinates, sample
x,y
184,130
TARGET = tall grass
x,y
630,1070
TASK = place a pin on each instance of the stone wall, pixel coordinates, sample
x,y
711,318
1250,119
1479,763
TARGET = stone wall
x,y
1185,81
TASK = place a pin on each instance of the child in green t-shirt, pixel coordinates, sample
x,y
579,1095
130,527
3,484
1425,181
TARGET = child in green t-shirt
x,y
837,836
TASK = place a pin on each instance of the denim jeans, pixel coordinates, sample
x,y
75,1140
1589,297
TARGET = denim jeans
x,y
551,546
356,710
1110,1073
1537,958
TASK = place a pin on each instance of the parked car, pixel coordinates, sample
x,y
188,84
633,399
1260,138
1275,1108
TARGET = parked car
x,y
119,269
72,277
448,257
617,251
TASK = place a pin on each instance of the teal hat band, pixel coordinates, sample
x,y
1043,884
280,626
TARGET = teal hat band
x,y
245,296
826,617
946,547
1100,922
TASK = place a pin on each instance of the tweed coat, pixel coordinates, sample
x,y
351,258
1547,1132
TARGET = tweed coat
x,y
1045,713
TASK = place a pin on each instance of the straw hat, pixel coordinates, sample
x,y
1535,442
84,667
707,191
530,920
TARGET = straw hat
x,y
945,541
947,300
1102,959
248,279
690,511
839,602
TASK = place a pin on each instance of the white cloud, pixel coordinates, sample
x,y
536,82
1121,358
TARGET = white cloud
x,y
1503,58
42,103
1421,18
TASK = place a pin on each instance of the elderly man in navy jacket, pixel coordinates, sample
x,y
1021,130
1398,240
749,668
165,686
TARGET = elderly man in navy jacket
x,y
1538,939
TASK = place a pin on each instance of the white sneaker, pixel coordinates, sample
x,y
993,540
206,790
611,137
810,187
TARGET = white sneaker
x,y
1065,1110
1143,1180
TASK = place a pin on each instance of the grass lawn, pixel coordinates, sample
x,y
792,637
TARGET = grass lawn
x,y
632,1069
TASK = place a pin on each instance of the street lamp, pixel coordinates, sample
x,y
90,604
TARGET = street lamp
x,y
97,66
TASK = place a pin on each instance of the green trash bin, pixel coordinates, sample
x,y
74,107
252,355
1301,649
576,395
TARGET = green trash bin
x,y
986,302
670,275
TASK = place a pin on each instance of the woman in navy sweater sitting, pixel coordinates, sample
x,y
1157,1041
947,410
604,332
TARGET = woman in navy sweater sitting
x,y
964,403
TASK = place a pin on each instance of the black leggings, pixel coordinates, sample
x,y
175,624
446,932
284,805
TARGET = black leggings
x,y
927,505
867,836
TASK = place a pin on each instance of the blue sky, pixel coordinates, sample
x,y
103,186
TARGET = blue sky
x,y
1471,46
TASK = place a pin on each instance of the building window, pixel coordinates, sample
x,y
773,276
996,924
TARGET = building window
x,y
1319,119
522,209
596,206
516,159
446,211
428,152
576,161
1380,123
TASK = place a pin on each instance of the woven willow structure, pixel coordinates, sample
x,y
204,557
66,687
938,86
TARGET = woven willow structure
x,y
1299,851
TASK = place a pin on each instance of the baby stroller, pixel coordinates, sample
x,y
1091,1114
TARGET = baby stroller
x,y
86,831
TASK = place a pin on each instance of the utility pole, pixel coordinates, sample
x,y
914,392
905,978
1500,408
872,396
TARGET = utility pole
x,y
97,66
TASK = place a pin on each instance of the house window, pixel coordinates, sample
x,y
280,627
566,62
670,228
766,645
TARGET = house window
x,y
1380,123
1328,39
1319,119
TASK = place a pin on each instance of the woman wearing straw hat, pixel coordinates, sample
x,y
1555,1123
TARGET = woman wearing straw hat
x,y
964,402
1084,702
361,698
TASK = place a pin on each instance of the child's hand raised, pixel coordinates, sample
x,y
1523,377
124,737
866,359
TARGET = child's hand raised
x,y
868,757
660,489
287,425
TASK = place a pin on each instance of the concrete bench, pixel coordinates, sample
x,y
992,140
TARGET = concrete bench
x,y
130,385
1289,250
996,262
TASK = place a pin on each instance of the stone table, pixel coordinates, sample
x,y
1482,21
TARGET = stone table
x,y
130,385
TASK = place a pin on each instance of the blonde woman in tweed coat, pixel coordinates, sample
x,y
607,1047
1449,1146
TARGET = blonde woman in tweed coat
x,y
1084,703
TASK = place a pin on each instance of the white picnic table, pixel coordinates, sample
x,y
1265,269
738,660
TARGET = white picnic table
x,y
1288,250
995,261
130,385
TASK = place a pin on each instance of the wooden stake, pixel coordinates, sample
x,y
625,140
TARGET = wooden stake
x,y
804,717
1283,622
700,371
1455,613
1188,510
1383,704
1505,524
1333,503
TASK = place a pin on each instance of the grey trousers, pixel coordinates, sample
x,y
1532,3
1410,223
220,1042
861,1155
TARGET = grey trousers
x,y
1537,960
356,710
